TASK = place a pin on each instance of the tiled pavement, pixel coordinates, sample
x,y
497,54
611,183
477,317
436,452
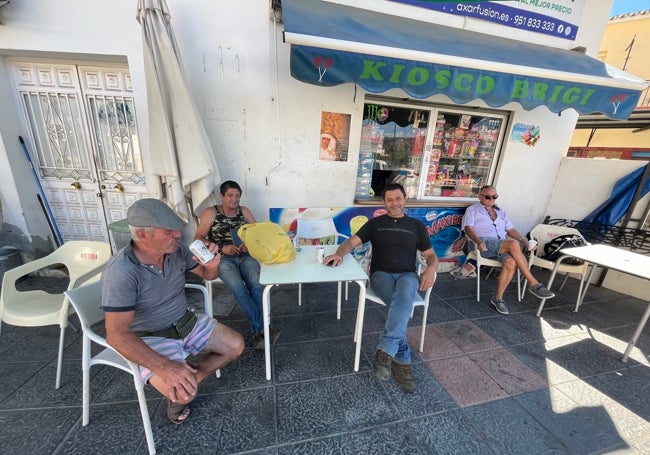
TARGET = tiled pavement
x,y
487,383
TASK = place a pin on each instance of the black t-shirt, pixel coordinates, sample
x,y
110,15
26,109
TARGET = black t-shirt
x,y
394,242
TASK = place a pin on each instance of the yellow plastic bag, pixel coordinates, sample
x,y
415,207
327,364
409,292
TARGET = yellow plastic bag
x,y
267,242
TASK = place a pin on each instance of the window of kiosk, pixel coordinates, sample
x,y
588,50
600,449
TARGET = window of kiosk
x,y
435,152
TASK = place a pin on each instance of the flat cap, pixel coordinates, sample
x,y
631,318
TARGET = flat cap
x,y
153,213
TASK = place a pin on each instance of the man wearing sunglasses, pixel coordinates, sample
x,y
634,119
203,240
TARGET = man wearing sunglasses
x,y
490,229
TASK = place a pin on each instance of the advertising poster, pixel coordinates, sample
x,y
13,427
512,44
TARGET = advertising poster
x,y
443,225
334,136
526,134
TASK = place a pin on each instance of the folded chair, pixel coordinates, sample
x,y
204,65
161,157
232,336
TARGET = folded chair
x,y
83,259
420,300
86,301
319,232
485,262
544,233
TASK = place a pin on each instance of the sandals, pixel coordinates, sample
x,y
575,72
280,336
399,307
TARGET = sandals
x,y
177,413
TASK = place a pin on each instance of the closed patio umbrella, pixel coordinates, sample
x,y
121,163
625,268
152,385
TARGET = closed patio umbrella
x,y
181,154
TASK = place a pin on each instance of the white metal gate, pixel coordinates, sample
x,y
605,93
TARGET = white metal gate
x,y
84,143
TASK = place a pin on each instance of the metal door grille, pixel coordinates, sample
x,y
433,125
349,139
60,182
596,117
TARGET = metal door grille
x,y
56,121
116,136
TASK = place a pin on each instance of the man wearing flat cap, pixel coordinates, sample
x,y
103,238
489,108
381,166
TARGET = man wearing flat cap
x,y
147,316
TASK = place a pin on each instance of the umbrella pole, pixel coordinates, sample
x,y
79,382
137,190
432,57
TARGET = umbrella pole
x,y
50,215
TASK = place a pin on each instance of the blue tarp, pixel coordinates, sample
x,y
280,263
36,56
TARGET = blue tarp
x,y
332,44
614,209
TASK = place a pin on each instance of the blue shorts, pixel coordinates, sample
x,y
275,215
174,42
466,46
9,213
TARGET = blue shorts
x,y
181,348
493,247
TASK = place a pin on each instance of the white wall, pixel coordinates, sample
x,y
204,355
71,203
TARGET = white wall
x,y
263,125
581,186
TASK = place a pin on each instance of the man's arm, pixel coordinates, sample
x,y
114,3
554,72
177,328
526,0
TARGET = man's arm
x,y
343,249
428,276
518,237
209,270
469,232
178,377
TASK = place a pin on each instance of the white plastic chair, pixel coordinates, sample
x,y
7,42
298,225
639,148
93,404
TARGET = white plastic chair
x,y
86,301
485,262
544,233
420,300
320,231
83,259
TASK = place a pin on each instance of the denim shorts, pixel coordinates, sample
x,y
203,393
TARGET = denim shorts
x,y
493,247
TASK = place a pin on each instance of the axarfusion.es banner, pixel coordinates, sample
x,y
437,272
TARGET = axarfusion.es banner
x,y
559,18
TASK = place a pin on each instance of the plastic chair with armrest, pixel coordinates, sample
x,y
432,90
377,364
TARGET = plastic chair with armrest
x,y
319,232
544,233
481,261
86,301
420,300
83,259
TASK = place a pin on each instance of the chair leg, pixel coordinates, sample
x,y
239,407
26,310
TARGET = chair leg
x,y
146,421
299,294
346,290
424,326
59,362
208,285
85,398
338,300
478,282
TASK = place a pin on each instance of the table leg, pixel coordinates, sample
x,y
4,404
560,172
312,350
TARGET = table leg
x,y
637,333
583,292
548,286
266,316
358,330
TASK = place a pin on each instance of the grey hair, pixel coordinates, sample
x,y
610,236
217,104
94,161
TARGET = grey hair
x,y
134,229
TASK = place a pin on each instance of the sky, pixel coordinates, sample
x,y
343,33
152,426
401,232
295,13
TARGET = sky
x,y
629,6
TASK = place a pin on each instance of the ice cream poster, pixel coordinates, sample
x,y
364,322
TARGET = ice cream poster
x,y
334,136
443,225
527,134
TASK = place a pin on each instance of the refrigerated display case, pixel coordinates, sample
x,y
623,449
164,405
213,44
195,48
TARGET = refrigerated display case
x,y
451,157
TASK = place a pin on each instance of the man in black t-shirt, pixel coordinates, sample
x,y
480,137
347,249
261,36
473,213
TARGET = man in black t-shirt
x,y
395,240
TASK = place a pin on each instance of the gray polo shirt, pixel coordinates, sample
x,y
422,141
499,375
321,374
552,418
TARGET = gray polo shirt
x,y
157,296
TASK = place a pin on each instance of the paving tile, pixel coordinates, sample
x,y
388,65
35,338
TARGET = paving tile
x,y
436,344
311,409
629,387
448,433
39,390
387,439
317,359
14,375
340,445
508,372
429,397
582,430
512,329
519,432
36,431
628,424
465,381
468,336
221,423
536,357
111,428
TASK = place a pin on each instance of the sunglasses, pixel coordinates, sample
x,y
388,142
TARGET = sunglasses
x,y
489,196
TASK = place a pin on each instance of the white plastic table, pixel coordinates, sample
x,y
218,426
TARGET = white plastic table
x,y
616,259
306,269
